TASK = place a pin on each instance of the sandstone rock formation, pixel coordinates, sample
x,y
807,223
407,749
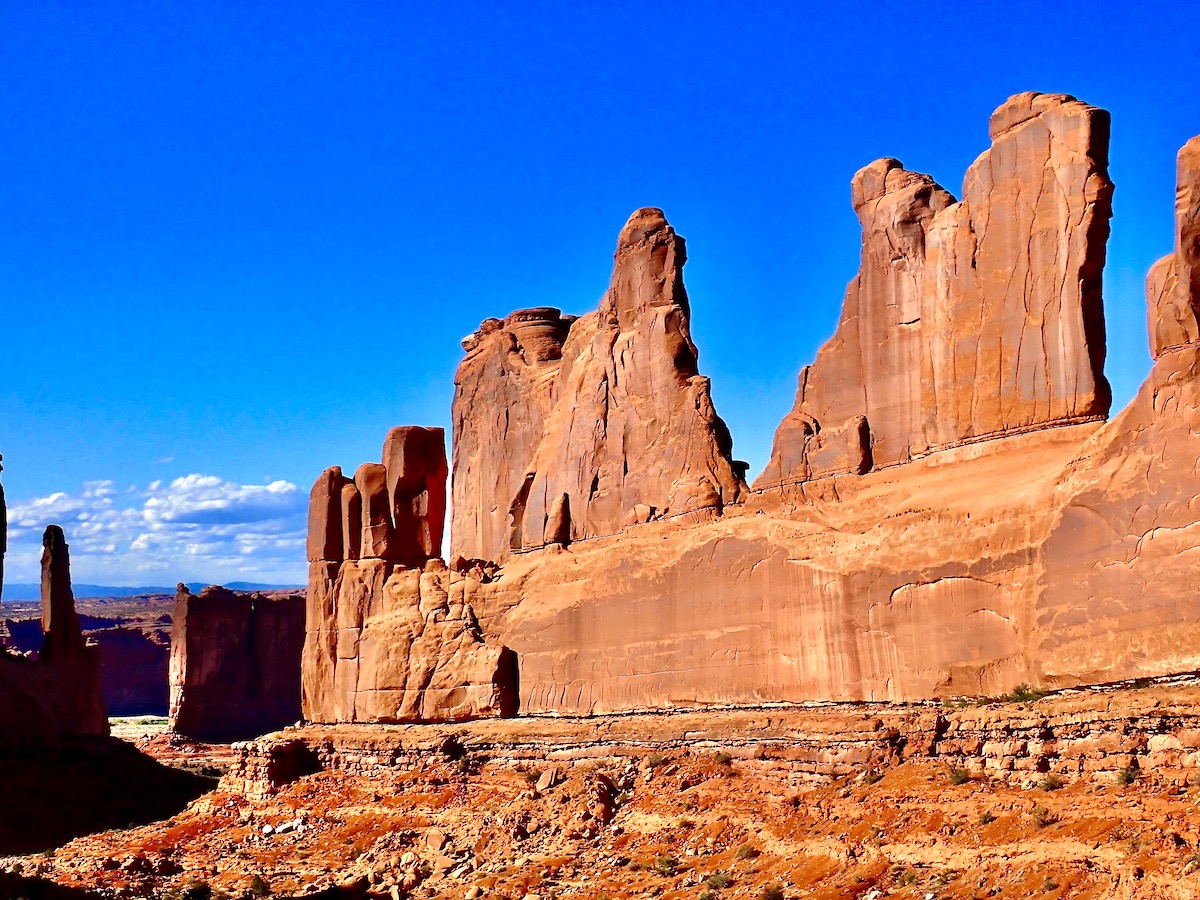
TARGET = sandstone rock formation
x,y
1039,544
391,635
608,411
1173,285
970,319
59,693
235,663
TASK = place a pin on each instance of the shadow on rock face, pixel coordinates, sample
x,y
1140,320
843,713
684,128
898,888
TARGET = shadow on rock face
x,y
56,792
38,889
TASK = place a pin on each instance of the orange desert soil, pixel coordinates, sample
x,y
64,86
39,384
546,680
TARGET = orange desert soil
x,y
597,812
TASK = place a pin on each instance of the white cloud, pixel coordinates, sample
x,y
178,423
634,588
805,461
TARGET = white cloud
x,y
196,528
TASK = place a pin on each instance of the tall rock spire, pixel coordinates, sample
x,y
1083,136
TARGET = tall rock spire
x,y
616,418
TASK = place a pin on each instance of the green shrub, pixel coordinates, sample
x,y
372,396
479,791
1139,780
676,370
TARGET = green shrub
x,y
943,878
655,760
746,852
722,758
1041,816
719,880
1049,884
986,818
259,887
666,865
197,890
708,895
1050,783
772,892
1022,693
959,776
1127,776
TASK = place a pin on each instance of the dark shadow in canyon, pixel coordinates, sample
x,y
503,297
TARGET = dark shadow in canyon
x,y
55,792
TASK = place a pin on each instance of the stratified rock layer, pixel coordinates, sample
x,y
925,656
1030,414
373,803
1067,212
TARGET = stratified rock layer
x,y
608,411
968,320
235,663
390,636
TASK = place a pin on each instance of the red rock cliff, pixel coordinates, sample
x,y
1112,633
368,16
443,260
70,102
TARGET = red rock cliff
x,y
59,694
390,633
235,663
569,429
969,319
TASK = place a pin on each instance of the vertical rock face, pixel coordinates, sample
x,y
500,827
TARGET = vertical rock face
x,y
60,695
62,638
615,418
503,392
968,320
235,663
390,634
415,461
1173,285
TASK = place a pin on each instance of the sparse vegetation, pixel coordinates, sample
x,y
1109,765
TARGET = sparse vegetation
x,y
1127,776
959,776
1050,783
1041,815
708,895
872,776
719,880
655,760
943,878
721,758
259,887
746,852
986,818
771,892
1022,693
1049,884
666,866
907,878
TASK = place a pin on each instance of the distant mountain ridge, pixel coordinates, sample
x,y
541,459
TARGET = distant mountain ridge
x,y
22,593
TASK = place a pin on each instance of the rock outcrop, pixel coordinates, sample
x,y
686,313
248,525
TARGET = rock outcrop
x,y
235,663
1039,544
1173,285
390,634
608,411
59,693
968,320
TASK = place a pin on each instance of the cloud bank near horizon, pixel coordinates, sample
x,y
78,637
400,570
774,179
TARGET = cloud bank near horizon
x,y
195,528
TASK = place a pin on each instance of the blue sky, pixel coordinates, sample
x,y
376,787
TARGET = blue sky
x,y
238,242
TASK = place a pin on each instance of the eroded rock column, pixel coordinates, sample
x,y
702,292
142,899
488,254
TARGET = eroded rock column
x,y
390,635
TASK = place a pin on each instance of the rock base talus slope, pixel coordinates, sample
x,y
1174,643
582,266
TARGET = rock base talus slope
x,y
235,663
390,633
968,320
615,417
